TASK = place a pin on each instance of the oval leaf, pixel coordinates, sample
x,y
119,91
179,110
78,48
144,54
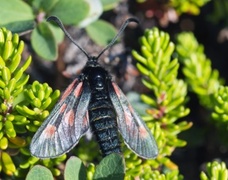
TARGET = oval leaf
x,y
20,26
75,169
39,173
57,32
7,163
109,4
111,168
43,42
101,32
95,10
48,5
13,11
70,11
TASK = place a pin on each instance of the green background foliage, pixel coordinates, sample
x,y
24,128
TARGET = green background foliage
x,y
31,15
172,70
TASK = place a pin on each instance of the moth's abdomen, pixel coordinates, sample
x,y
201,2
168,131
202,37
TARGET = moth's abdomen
x,y
104,125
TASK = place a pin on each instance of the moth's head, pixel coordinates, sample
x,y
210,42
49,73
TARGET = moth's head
x,y
92,62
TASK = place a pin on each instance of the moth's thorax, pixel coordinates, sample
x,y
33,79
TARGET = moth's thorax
x,y
97,76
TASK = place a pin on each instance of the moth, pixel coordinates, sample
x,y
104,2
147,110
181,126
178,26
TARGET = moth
x,y
93,101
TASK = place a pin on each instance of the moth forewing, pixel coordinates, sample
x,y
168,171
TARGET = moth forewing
x,y
65,125
134,131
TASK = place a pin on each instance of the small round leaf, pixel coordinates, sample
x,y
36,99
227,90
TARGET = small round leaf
x,y
70,11
109,4
57,32
7,163
39,173
95,10
43,42
101,32
75,169
111,168
13,11
20,26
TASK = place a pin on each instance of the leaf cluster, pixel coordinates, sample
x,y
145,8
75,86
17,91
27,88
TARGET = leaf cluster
x,y
220,12
220,112
204,81
23,108
111,167
215,170
188,6
201,78
180,6
21,16
166,101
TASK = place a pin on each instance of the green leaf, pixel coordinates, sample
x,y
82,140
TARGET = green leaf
x,y
35,4
7,163
111,168
95,10
101,32
48,5
43,42
4,144
70,11
75,169
13,11
39,173
57,32
109,4
42,5
20,26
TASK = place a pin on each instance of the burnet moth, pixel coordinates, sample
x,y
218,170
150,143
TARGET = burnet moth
x,y
93,101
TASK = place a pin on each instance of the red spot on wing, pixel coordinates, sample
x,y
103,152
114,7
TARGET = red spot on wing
x,y
131,108
69,117
128,118
68,90
116,89
85,120
78,90
49,131
128,115
63,108
143,132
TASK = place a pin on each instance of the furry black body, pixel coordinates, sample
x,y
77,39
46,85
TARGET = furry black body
x,y
102,115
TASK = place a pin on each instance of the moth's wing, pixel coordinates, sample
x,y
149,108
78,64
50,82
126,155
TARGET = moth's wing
x,y
65,125
134,131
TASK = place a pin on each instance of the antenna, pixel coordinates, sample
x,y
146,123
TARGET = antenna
x,y
122,28
60,24
124,25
